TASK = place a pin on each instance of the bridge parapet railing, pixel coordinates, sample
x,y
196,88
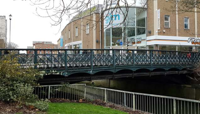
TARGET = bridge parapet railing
x,y
74,59
147,103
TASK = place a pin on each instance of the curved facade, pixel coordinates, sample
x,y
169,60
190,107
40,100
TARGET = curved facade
x,y
125,28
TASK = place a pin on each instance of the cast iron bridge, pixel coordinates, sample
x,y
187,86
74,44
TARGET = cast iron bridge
x,y
70,61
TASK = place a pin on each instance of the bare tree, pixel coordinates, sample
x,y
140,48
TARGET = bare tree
x,y
59,10
12,45
183,6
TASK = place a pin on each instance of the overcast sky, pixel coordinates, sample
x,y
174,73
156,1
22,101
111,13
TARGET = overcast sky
x,y
26,26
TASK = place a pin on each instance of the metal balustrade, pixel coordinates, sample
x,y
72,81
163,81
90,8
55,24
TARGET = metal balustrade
x,y
148,103
69,61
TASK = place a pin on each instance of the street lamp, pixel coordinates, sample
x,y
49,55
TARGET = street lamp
x,y
10,16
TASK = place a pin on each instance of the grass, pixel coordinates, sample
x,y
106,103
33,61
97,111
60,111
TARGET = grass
x,y
80,108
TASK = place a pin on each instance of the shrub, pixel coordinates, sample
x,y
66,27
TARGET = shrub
x,y
40,104
16,83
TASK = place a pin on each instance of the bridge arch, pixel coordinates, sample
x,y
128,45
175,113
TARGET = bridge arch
x,y
174,69
79,74
142,70
158,70
124,71
103,72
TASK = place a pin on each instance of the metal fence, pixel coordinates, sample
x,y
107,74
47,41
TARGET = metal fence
x,y
149,103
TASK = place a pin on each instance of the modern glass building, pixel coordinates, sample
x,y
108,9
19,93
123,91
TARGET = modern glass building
x,y
125,28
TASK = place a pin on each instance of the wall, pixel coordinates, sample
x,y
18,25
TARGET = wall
x,y
3,31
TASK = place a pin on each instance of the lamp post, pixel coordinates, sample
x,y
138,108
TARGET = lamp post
x,y
10,16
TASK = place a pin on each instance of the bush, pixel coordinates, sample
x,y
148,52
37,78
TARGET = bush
x,y
40,104
16,83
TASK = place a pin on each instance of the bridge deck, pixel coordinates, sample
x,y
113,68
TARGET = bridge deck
x,y
69,61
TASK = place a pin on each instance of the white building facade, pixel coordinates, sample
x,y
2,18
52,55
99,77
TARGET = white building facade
x,y
3,32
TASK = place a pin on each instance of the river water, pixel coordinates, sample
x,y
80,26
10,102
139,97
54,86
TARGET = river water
x,y
158,87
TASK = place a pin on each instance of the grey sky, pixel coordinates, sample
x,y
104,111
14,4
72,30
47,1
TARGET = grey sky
x,y
26,26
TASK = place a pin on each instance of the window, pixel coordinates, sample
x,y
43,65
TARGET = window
x,y
87,29
167,21
76,34
69,33
186,23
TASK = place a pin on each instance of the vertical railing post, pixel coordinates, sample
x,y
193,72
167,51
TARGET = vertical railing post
x,y
179,58
151,54
85,90
114,57
49,91
133,101
35,59
1,53
51,60
133,54
91,61
174,106
105,95
65,60
124,99
166,58
193,57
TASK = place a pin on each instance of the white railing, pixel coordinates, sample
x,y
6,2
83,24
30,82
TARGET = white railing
x,y
149,103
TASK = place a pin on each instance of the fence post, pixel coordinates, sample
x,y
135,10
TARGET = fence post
x,y
49,89
174,106
124,99
133,102
35,59
105,96
85,92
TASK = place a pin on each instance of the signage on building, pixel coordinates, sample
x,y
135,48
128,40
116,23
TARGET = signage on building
x,y
61,42
113,18
194,40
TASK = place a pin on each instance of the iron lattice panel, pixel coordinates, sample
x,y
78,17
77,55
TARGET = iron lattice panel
x,y
26,60
196,58
103,60
57,61
124,59
79,60
142,59
185,59
159,58
172,58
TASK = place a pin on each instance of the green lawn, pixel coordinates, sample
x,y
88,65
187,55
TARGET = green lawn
x,y
80,108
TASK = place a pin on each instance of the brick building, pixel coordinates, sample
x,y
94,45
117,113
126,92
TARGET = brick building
x,y
3,32
149,27
44,45
171,30
83,31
